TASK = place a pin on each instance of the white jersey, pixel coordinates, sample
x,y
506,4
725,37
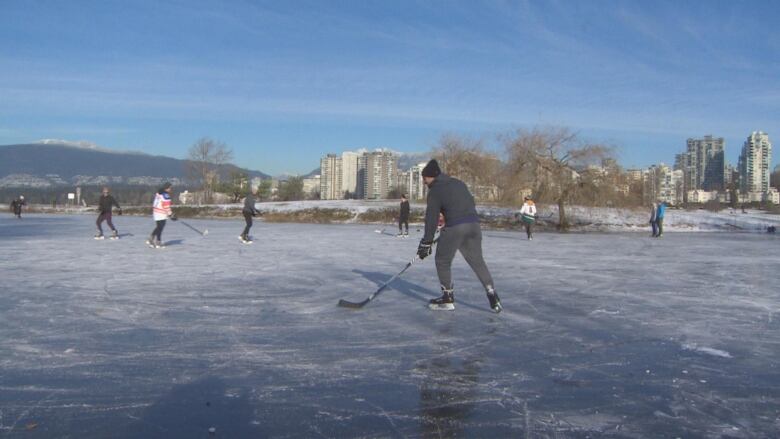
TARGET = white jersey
x,y
528,209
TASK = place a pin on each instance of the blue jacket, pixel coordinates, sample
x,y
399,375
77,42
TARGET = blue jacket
x,y
661,211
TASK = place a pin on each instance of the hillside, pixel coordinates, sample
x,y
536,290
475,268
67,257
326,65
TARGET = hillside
x,y
61,164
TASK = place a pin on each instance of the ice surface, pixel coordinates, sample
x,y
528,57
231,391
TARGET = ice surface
x,y
603,335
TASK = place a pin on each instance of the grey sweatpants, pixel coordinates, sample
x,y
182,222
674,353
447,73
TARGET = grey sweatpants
x,y
468,239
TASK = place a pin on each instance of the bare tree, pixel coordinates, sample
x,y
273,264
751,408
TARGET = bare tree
x,y
206,157
292,189
467,160
554,162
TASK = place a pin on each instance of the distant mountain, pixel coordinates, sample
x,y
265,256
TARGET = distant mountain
x,y
58,163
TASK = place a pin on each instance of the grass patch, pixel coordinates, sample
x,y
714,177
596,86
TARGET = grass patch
x,y
315,216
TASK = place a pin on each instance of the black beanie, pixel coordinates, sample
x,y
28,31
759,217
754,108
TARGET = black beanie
x,y
431,169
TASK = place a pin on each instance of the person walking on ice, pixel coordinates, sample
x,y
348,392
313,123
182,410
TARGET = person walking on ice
x,y
249,211
528,216
659,218
16,206
653,223
461,232
403,217
105,205
161,211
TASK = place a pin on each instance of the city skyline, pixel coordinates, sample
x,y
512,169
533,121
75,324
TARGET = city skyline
x,y
285,83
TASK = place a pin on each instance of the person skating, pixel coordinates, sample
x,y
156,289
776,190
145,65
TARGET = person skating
x,y
659,218
16,206
653,217
450,197
161,211
403,217
106,204
249,211
528,216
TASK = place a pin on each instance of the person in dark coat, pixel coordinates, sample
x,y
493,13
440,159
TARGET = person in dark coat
x,y
461,232
16,206
403,217
106,204
249,211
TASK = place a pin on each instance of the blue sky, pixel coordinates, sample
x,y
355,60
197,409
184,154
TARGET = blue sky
x,y
284,82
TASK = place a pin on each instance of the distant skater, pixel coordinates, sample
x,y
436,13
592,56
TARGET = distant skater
x,y
16,206
659,218
528,216
105,205
249,211
403,217
653,223
161,211
461,232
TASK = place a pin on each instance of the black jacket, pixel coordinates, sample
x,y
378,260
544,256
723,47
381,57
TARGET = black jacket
x,y
451,197
249,205
16,205
105,203
404,211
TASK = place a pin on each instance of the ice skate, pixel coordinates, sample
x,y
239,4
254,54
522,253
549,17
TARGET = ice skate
x,y
495,302
444,303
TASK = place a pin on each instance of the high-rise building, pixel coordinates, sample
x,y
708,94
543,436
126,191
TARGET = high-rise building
x,y
377,174
349,173
330,177
754,164
663,183
703,163
415,186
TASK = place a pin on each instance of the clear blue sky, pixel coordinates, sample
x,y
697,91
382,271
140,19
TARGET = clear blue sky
x,y
283,82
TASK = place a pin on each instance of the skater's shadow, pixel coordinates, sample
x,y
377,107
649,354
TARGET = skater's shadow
x,y
411,290
124,235
174,242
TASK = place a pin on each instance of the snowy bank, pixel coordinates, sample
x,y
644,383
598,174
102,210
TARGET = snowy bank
x,y
580,218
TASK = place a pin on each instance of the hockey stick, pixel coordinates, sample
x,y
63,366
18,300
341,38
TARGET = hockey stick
x,y
358,305
203,233
383,232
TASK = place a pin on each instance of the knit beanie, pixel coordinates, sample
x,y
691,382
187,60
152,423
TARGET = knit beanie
x,y
431,169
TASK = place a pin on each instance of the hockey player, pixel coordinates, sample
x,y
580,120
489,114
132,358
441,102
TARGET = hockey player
x,y
249,211
161,211
450,197
16,206
528,216
403,217
105,205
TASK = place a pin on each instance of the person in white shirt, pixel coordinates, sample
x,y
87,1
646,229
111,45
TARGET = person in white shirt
x,y
528,216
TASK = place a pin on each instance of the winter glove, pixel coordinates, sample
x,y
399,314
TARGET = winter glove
x,y
173,217
424,249
119,212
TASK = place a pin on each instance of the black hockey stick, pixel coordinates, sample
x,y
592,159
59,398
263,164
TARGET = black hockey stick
x,y
358,305
203,233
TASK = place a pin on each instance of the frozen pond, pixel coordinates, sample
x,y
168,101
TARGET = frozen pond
x,y
603,335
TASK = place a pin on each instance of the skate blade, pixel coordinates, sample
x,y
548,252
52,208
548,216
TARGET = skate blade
x,y
99,238
443,307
